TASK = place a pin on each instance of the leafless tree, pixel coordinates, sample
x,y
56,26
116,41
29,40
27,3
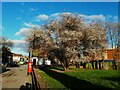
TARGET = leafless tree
x,y
113,34
5,49
5,42
113,38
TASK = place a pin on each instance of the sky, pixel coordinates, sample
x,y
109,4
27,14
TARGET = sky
x,y
19,17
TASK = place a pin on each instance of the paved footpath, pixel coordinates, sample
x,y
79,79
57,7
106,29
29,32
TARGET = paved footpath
x,y
16,78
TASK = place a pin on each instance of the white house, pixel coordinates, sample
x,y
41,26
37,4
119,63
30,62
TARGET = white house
x,y
35,60
16,57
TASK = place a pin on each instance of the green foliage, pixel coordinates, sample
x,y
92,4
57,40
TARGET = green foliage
x,y
89,65
35,53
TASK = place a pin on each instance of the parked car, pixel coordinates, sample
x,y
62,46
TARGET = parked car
x,y
3,68
26,62
12,64
21,63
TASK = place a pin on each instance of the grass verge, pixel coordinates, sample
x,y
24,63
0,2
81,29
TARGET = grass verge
x,y
81,78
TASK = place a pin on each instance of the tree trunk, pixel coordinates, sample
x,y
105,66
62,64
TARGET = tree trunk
x,y
65,65
100,64
92,62
84,65
114,65
96,64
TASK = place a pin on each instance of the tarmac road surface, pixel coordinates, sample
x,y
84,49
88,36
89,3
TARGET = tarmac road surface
x,y
16,78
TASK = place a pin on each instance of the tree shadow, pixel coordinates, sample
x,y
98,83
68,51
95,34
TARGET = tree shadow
x,y
70,82
61,69
5,70
31,86
57,68
115,79
26,87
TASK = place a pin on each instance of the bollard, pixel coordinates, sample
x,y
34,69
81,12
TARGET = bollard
x,y
29,70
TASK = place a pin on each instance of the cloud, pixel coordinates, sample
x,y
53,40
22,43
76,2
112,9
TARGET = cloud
x,y
32,9
55,15
86,18
20,46
99,17
115,18
68,13
18,43
1,27
58,14
42,17
30,25
23,32
112,18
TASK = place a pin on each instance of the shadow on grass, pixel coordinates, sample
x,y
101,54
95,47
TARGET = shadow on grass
x,y
70,82
117,79
58,68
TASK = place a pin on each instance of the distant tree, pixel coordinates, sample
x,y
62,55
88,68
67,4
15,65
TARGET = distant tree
x,y
93,42
5,46
113,38
38,41
113,34
5,42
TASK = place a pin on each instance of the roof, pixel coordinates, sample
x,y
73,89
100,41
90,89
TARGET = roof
x,y
14,54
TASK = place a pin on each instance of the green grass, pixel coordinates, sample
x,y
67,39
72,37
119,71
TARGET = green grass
x,y
81,78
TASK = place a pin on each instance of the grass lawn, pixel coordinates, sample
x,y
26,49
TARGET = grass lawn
x,y
81,78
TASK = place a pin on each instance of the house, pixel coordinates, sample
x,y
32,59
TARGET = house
x,y
111,54
17,57
6,55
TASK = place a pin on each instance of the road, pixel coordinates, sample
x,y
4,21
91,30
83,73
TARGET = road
x,y
16,77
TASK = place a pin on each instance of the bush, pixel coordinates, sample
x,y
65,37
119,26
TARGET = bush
x,y
88,65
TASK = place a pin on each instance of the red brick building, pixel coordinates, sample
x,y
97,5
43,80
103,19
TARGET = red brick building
x,y
111,54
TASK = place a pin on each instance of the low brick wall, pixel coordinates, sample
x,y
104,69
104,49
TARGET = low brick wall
x,y
38,80
107,65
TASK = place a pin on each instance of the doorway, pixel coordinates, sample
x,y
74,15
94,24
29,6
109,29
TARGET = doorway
x,y
34,61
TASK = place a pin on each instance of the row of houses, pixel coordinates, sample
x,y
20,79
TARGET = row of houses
x,y
18,57
13,57
109,54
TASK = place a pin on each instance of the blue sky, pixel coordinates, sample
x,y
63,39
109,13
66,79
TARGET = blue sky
x,y
18,17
